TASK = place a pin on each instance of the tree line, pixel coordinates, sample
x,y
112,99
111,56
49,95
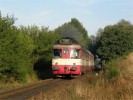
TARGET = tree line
x,y
113,41
22,47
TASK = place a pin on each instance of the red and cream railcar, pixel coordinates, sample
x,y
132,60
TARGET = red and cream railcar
x,y
70,58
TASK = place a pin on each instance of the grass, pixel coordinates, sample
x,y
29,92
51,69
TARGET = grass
x,y
92,87
5,86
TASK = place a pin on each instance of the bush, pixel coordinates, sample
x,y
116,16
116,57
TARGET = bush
x,y
113,72
15,51
113,69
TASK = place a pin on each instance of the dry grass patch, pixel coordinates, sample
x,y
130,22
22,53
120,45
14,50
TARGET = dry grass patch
x,y
126,67
87,89
91,87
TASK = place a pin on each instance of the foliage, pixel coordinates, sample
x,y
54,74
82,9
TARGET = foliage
x,y
45,43
115,40
15,51
42,53
113,72
22,48
43,40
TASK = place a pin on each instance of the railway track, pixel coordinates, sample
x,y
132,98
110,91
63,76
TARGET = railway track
x,y
29,90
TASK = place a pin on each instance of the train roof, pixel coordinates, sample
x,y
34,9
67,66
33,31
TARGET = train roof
x,y
69,42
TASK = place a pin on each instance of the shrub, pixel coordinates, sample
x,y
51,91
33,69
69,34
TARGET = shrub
x,y
113,72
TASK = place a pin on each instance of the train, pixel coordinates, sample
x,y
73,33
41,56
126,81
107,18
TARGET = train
x,y
70,58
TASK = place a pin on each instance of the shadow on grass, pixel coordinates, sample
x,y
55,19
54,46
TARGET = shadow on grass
x,y
43,69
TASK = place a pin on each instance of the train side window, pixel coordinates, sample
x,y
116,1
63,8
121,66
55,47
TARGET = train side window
x,y
57,53
78,53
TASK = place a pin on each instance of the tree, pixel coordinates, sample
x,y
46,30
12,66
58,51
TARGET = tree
x,y
15,51
116,40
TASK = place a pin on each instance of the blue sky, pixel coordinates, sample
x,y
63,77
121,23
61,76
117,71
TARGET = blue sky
x,y
93,14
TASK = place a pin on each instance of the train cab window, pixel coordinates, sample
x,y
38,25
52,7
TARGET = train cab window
x,y
57,53
74,53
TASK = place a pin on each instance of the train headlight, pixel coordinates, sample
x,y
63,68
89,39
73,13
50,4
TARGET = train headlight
x,y
73,68
55,68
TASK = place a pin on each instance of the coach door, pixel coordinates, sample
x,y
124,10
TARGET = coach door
x,y
65,59
65,54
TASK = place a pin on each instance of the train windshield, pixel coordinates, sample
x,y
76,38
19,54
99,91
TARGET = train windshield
x,y
57,53
74,53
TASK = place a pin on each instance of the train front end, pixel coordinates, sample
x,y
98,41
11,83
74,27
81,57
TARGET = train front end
x,y
66,59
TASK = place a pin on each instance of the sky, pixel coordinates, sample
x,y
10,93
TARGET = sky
x,y
93,14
